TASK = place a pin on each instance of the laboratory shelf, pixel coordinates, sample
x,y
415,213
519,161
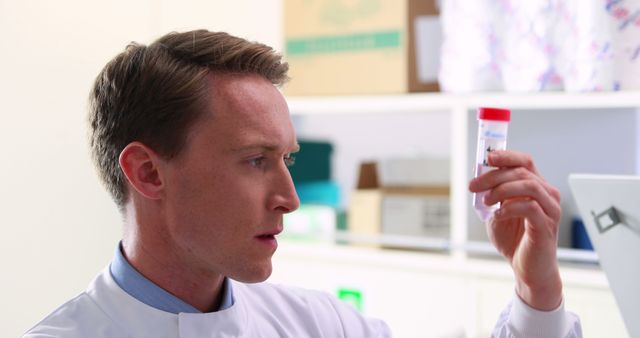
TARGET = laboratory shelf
x,y
417,261
445,245
413,290
464,240
424,102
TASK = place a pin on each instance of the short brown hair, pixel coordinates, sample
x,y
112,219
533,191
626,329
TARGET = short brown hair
x,y
154,94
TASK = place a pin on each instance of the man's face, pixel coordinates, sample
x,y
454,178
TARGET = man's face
x,y
228,189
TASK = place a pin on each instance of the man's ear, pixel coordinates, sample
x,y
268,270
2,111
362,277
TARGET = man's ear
x,y
140,165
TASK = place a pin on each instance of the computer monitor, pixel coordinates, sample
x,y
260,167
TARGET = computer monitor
x,y
610,209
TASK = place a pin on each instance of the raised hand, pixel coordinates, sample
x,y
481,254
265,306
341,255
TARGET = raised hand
x,y
525,228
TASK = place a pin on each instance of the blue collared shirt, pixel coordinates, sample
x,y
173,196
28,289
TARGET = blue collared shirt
x,y
144,290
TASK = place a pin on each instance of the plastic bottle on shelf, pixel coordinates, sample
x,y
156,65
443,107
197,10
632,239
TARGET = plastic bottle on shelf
x,y
493,124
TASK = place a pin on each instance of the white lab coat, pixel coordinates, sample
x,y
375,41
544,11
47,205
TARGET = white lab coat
x,y
259,310
104,310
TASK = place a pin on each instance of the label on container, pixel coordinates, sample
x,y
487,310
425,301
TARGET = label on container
x,y
486,146
492,136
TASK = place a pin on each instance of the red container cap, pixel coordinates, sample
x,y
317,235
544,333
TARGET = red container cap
x,y
495,114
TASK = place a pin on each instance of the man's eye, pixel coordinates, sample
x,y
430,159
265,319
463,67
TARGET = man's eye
x,y
257,162
289,160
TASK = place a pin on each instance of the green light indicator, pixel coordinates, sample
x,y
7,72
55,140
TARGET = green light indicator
x,y
351,296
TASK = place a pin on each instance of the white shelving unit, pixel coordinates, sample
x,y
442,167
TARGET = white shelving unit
x,y
450,288
425,102
460,108
435,295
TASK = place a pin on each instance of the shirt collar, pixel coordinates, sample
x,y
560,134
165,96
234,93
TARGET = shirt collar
x,y
144,290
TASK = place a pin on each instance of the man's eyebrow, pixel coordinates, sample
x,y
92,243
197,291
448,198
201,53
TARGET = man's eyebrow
x,y
264,146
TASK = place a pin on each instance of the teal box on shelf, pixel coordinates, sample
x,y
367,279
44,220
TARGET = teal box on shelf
x,y
317,217
320,192
313,162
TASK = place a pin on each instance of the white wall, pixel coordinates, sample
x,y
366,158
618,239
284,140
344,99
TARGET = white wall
x,y
59,227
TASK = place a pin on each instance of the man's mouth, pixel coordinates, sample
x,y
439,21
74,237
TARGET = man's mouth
x,y
269,238
270,234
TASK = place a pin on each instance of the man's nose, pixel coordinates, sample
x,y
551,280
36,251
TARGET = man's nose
x,y
285,198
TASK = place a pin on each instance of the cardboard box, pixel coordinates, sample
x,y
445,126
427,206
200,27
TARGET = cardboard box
x,y
399,210
361,47
421,212
414,172
364,215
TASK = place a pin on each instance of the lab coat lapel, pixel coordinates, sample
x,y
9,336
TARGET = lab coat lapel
x,y
231,322
129,313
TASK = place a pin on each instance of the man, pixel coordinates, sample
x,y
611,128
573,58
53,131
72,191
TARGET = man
x,y
192,139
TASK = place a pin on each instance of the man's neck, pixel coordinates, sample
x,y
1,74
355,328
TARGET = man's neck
x,y
156,259
202,292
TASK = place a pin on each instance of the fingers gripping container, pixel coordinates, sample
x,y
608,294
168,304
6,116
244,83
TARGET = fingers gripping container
x,y
493,124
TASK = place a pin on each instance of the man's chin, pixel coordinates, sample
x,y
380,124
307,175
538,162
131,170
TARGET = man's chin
x,y
257,274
